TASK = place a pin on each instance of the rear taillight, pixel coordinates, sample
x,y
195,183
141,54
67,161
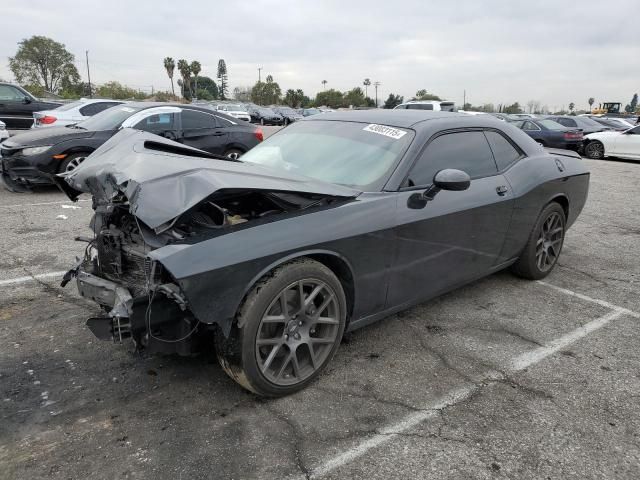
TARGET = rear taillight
x,y
573,135
258,134
47,120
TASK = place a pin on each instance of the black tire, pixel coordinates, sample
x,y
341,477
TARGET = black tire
x,y
234,153
594,150
541,143
285,122
71,160
239,355
532,263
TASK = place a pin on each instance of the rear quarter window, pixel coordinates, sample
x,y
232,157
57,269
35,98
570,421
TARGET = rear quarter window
x,y
503,151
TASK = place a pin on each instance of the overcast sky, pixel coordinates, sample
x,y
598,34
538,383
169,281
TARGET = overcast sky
x,y
499,51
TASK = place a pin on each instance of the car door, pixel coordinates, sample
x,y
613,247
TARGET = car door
x,y
163,124
456,236
627,144
201,130
15,108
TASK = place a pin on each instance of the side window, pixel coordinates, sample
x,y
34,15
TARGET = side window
x,y
160,122
634,131
7,92
528,125
503,152
194,120
224,123
420,106
93,108
467,151
567,122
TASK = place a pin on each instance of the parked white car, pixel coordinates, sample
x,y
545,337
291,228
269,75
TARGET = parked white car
x,y
4,133
235,110
434,105
71,113
613,144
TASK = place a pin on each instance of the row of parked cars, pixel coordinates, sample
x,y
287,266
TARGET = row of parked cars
x,y
595,136
272,115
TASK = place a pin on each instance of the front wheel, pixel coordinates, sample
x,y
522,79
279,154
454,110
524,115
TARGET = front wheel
x,y
545,242
287,330
233,153
72,162
594,150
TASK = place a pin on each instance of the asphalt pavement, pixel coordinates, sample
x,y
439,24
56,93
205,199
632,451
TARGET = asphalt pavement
x,y
504,378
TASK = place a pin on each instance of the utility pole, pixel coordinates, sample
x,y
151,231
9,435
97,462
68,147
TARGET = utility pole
x,y
376,84
86,52
464,100
259,68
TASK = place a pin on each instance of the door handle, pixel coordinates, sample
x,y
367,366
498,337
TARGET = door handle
x,y
218,134
501,190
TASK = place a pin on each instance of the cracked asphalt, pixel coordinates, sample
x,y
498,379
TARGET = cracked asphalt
x,y
72,407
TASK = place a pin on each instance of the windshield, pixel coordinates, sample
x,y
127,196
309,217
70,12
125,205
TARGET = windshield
x,y
109,119
346,153
266,111
233,108
588,121
286,110
551,125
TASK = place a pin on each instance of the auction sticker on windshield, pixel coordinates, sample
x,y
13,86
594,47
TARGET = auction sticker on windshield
x,y
386,131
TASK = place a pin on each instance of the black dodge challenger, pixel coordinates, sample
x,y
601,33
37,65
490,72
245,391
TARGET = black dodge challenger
x,y
331,224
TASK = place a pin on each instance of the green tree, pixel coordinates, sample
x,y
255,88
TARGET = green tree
x,y
223,79
424,95
117,91
590,102
185,72
393,101
195,68
207,88
242,94
330,98
170,66
354,98
296,98
266,93
366,83
324,84
571,107
513,108
45,62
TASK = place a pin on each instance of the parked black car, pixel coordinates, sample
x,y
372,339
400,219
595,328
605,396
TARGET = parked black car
x,y
29,159
265,116
331,224
288,114
551,134
585,124
17,106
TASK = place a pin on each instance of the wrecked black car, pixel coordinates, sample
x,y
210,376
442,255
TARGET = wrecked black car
x,y
329,225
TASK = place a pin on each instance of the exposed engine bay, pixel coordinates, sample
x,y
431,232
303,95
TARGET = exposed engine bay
x,y
143,301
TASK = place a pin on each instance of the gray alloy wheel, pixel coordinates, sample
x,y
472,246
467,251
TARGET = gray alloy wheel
x,y
549,242
288,328
72,162
594,150
297,332
233,154
543,248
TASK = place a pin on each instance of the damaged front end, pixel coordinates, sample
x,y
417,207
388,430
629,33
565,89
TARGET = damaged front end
x,y
151,194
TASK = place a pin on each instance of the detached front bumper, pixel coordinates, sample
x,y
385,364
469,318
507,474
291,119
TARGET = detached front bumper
x,y
19,175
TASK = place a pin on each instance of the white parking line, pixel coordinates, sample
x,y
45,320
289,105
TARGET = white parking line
x,y
16,205
519,363
18,280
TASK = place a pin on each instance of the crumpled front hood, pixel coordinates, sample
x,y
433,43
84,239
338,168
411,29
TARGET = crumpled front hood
x,y
163,179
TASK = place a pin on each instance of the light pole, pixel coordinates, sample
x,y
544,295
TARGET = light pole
x,y
259,68
88,74
376,85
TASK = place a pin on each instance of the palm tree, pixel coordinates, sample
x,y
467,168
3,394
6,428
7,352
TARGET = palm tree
x,y
169,66
195,69
185,71
269,79
572,106
324,84
590,101
366,84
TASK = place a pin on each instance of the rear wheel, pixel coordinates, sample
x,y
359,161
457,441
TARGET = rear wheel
x,y
594,150
543,248
287,330
72,162
233,153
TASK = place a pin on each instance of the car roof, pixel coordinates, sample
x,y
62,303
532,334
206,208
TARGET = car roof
x,y
395,118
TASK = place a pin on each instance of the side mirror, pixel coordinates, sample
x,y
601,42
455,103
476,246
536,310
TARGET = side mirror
x,y
451,179
26,100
